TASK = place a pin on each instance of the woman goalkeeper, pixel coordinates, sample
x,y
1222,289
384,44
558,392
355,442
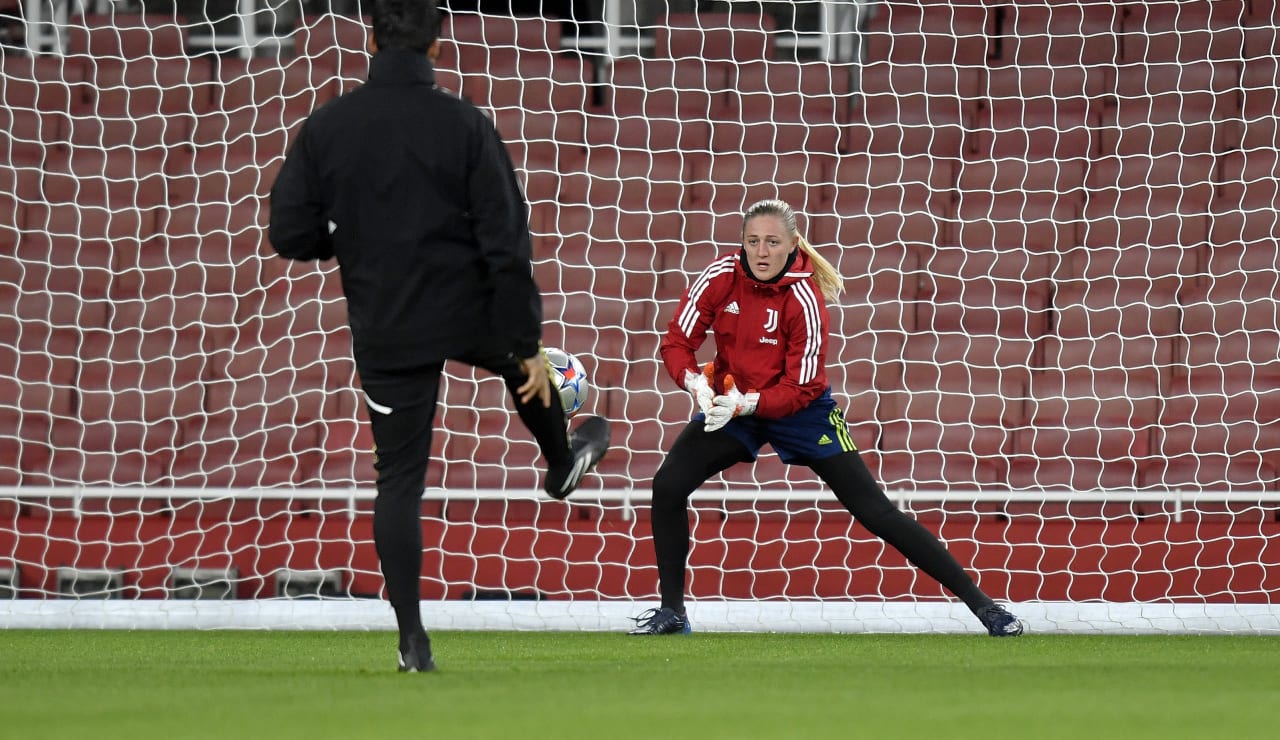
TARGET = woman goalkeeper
x,y
768,384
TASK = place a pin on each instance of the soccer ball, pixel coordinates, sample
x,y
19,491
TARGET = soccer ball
x,y
569,378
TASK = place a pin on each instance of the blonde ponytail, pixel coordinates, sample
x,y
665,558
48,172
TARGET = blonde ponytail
x,y
825,274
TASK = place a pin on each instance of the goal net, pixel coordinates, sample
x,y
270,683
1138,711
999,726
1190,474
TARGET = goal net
x,y
1058,347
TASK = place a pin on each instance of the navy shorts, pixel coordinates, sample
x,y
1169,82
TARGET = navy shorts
x,y
815,432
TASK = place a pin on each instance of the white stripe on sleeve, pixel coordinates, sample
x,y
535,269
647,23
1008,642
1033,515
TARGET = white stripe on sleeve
x,y
689,316
803,292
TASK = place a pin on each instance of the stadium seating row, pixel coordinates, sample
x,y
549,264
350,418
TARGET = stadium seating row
x,y
1054,34
222,451
1187,199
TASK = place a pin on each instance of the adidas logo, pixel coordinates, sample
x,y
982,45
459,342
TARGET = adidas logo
x,y
824,440
732,308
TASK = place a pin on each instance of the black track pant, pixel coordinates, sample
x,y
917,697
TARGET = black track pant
x,y
402,408
698,455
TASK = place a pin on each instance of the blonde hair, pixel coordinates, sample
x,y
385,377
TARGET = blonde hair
x,y
825,274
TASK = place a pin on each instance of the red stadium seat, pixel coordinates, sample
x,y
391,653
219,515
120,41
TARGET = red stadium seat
x,y
609,223
470,85
479,42
251,83
1061,35
913,181
121,179
942,89
1136,218
814,92
654,135
1071,397
1260,100
65,264
546,134
1250,260
636,181
43,311
1242,472
911,471
1185,179
48,82
665,88
1002,293
728,37
1248,179
1117,362
1182,32
346,458
1205,419
148,85
1043,92
336,47
879,224
929,33
1041,222
127,35
1009,130
735,181
222,233
233,449
26,133
234,176
777,137
1237,291
141,374
1033,472
956,444
1129,307
1237,360
986,367
538,81
913,110
1107,451
1173,107
43,379
110,453
880,293
1015,203
260,133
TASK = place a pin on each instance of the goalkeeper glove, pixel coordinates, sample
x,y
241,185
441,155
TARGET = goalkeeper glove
x,y
730,404
699,386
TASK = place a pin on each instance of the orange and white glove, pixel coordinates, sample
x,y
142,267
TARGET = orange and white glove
x,y
729,404
699,386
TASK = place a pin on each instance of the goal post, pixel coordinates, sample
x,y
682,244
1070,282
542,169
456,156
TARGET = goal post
x,y
1058,347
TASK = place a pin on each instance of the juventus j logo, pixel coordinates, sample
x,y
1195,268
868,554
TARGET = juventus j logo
x,y
771,320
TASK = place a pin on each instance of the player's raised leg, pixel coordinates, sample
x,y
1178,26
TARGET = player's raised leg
x,y
569,456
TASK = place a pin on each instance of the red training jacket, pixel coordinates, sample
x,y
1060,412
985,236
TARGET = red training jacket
x,y
772,337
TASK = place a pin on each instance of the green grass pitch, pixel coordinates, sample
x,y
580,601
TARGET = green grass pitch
x,y
509,685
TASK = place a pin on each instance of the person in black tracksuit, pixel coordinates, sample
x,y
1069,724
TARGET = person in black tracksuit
x,y
412,190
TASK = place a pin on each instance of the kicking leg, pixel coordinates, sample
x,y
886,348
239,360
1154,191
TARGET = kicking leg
x,y
569,457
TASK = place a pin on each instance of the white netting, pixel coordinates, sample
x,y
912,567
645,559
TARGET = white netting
x,y
1059,344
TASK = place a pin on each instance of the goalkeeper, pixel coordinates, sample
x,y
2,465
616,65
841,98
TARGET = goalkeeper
x,y
768,384
412,190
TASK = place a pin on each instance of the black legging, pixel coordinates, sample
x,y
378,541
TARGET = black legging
x,y
697,455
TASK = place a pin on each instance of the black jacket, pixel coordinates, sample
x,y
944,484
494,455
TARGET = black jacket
x,y
412,189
